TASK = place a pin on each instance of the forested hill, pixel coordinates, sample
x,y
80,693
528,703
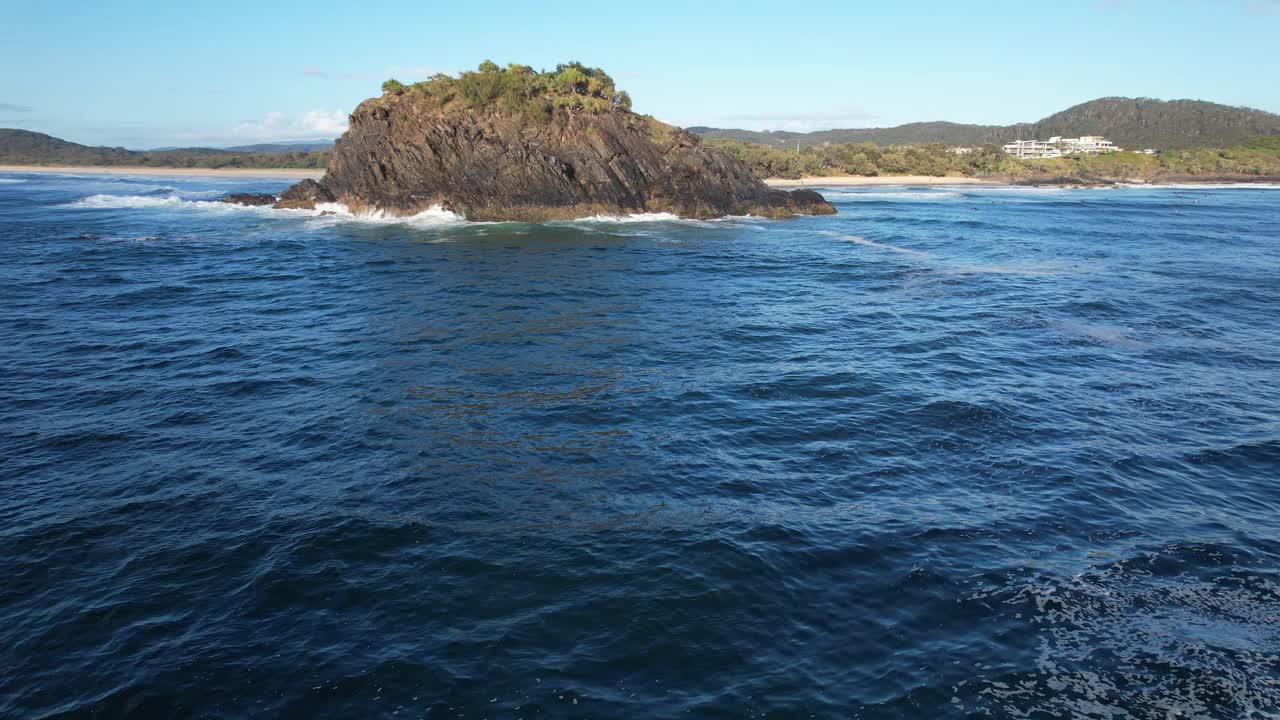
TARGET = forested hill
x,y
1132,123
24,147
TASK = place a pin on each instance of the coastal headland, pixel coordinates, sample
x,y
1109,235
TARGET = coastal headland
x,y
516,144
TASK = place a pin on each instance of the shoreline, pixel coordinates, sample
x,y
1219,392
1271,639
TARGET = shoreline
x,y
857,180
882,180
285,173
827,181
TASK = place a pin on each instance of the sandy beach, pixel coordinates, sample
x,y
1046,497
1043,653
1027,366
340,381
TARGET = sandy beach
x,y
298,174
293,174
830,181
854,180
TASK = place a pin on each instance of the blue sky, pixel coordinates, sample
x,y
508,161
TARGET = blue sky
x,y
148,74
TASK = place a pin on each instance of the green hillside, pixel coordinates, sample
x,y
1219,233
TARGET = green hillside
x,y
1132,123
1258,159
24,147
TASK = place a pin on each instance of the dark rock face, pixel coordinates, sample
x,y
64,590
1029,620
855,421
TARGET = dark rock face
x,y
402,157
250,199
304,195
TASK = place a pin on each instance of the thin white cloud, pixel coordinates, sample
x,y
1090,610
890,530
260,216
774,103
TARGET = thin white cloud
x,y
799,121
12,108
281,126
315,72
413,73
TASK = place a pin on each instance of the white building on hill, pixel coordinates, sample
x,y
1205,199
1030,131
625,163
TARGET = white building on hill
x,y
1058,146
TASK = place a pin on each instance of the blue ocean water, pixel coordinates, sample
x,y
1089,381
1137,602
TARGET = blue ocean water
x,y
953,452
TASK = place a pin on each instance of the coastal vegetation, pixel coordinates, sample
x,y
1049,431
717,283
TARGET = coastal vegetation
x,y
1132,123
1258,158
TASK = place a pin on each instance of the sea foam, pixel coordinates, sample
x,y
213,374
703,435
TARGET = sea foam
x,y
632,218
325,212
901,195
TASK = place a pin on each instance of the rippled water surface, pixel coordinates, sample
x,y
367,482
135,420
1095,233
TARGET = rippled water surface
x,y
950,453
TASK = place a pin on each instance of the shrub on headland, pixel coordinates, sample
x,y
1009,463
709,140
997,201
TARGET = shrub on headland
x,y
519,88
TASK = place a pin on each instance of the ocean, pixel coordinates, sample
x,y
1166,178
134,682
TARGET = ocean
x,y
954,452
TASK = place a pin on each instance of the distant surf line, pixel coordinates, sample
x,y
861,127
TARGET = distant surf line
x,y
879,246
1042,269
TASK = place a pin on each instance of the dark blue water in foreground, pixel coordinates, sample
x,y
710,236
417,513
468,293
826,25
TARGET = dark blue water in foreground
x,y
950,453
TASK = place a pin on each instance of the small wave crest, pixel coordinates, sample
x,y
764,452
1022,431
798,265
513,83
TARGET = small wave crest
x,y
126,201
335,213
434,216
328,213
1025,269
880,246
660,217
894,195
1205,186
632,218
10,181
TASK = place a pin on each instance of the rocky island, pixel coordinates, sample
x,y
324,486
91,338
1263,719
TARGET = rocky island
x,y
515,144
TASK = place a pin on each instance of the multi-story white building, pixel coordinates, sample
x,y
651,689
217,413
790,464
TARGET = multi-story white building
x,y
1027,149
1058,146
1090,144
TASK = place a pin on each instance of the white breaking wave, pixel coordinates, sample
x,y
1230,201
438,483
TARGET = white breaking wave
x,y
1206,186
10,181
663,217
1033,189
891,195
327,212
633,218
333,213
435,216
127,201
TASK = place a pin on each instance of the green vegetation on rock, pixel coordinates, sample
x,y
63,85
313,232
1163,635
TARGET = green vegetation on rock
x,y
520,89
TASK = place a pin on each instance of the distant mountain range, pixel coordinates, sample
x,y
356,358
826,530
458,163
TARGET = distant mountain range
x,y
1131,123
291,146
285,146
24,147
